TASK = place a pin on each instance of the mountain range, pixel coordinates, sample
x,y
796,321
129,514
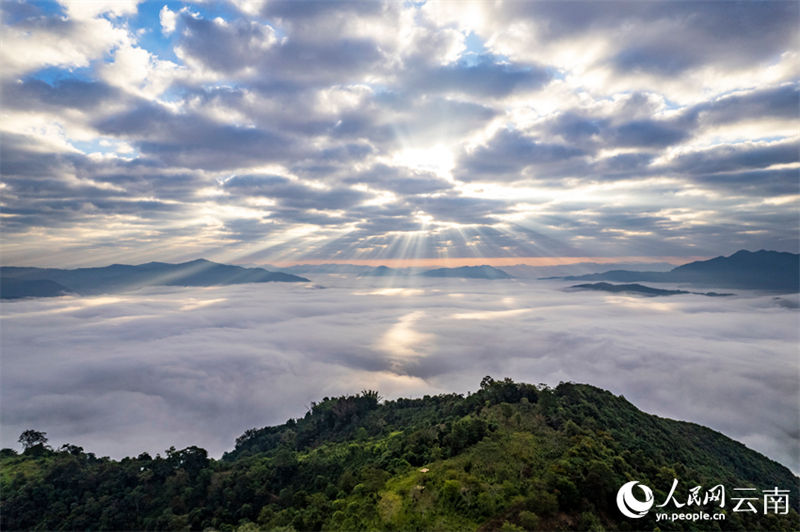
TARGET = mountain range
x,y
759,270
462,272
18,282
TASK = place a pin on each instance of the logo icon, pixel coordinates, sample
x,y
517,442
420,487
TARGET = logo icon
x,y
629,505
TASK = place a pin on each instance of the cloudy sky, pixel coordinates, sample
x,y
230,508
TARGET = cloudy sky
x,y
257,131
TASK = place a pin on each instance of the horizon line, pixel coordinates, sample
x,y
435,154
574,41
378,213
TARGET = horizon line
x,y
450,262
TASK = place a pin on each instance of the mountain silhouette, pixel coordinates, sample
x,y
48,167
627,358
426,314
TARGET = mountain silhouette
x,y
759,270
635,288
19,288
36,282
468,272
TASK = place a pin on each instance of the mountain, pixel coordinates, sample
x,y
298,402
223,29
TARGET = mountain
x,y
19,288
119,277
463,272
348,269
510,456
468,272
385,271
638,289
525,271
759,270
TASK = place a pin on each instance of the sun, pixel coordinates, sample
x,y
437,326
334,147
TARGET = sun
x,y
439,159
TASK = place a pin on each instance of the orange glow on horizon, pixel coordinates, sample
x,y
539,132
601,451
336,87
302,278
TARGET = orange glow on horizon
x,y
452,262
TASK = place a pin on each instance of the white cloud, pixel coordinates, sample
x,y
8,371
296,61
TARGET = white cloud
x,y
90,9
66,44
167,19
139,72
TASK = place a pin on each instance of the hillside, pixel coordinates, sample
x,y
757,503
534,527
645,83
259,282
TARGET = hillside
x,y
120,277
510,456
759,270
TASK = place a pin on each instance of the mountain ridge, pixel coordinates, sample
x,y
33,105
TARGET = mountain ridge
x,y
759,270
122,277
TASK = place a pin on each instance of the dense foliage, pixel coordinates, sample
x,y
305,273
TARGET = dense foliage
x,y
509,457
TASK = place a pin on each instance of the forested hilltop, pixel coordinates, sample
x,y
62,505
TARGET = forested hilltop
x,y
511,456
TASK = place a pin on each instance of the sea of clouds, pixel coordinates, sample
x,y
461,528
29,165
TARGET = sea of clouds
x,y
126,373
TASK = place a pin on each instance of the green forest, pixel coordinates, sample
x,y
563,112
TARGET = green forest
x,y
511,456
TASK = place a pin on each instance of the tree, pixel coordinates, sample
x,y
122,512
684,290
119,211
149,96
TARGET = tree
x,y
31,438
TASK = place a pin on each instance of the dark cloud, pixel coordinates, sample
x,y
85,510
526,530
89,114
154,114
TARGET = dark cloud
x,y
647,133
479,77
65,93
293,194
401,180
758,183
193,141
507,154
737,157
779,102
668,38
289,11
593,132
238,45
461,209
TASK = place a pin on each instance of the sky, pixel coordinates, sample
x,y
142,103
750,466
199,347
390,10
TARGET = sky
x,y
121,374
261,132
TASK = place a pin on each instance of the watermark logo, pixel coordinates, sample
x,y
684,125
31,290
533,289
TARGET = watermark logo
x,y
693,503
629,505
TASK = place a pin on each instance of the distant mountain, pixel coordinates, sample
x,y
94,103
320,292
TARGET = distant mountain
x,y
759,270
639,289
385,271
350,269
462,272
33,282
19,288
510,456
468,272
525,271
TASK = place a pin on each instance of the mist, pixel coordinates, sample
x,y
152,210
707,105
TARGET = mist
x,y
142,371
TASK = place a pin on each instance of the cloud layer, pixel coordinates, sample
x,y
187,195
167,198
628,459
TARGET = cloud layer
x,y
145,370
268,131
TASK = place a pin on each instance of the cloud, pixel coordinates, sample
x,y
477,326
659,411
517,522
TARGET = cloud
x,y
38,39
647,133
508,153
167,19
738,157
390,118
482,76
193,141
401,180
150,369
293,194
771,103
250,48
65,93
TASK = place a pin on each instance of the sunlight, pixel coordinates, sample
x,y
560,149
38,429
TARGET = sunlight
x,y
490,314
404,292
402,342
438,159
